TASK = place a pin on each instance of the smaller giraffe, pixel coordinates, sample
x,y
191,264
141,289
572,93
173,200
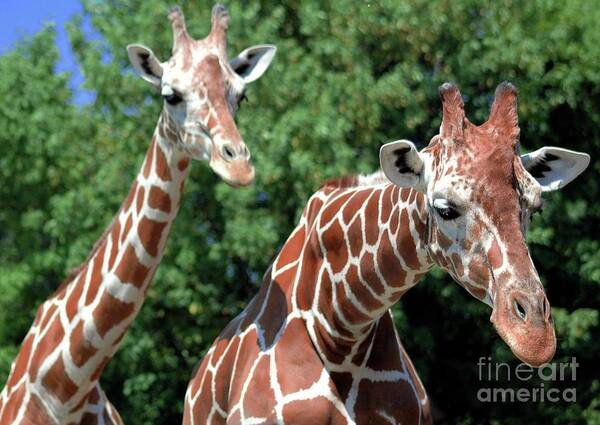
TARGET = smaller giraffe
x,y
54,379
317,344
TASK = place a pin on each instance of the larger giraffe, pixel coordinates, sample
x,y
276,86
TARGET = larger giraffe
x,y
317,345
54,379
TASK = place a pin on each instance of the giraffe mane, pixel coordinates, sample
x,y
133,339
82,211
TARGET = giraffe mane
x,y
359,180
341,182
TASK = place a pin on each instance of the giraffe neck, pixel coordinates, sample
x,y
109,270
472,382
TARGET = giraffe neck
x,y
363,248
80,327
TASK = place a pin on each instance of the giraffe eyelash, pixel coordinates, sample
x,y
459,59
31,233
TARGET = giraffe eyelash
x,y
243,97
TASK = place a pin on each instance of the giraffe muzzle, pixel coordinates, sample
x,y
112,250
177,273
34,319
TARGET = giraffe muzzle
x,y
524,321
233,164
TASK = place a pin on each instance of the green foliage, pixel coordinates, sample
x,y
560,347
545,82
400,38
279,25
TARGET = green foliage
x,y
347,76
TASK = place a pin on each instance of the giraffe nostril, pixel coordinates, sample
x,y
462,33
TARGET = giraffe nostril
x,y
546,310
228,152
245,152
520,310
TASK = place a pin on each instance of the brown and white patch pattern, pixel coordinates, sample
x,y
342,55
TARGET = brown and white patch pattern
x,y
54,379
318,344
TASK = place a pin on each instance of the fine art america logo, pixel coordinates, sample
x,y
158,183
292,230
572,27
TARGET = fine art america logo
x,y
525,383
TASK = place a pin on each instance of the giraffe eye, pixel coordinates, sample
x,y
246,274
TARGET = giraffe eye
x,y
537,210
173,99
444,210
448,213
242,98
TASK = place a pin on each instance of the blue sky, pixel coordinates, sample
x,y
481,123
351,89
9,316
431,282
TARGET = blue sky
x,y
22,18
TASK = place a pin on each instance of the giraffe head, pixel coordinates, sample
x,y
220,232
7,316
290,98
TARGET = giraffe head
x,y
480,196
202,91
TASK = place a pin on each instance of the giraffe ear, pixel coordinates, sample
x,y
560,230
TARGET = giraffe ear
x,y
145,63
402,164
554,168
253,62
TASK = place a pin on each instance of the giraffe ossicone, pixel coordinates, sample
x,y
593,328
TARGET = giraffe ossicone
x,y
54,379
317,344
